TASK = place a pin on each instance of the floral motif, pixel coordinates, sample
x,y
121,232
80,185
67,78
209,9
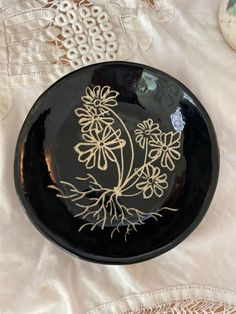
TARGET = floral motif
x,y
146,131
98,96
93,118
166,146
153,182
103,144
99,147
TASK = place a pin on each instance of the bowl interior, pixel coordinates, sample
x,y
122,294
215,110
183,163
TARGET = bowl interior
x,y
55,145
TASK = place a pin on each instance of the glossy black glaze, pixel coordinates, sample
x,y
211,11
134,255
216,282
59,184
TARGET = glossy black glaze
x,y
44,155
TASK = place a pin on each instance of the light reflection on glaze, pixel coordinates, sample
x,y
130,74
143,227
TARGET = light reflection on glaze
x,y
177,120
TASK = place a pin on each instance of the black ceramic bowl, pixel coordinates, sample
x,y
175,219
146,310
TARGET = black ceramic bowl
x,y
116,163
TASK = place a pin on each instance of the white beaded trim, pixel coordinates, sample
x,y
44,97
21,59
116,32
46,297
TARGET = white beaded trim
x,y
96,10
78,27
87,59
48,39
65,6
72,16
81,39
61,19
84,12
67,31
69,42
87,32
73,53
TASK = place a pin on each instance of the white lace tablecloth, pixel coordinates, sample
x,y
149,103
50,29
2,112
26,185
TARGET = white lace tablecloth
x,y
36,276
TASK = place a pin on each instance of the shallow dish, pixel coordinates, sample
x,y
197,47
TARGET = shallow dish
x,y
116,163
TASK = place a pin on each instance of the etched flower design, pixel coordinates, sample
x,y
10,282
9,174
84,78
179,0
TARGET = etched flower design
x,y
103,146
166,147
100,96
153,182
93,118
98,148
146,131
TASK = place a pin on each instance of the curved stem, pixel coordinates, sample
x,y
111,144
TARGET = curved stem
x,y
144,163
134,194
120,170
122,166
130,141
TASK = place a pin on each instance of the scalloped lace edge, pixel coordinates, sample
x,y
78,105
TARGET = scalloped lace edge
x,y
173,300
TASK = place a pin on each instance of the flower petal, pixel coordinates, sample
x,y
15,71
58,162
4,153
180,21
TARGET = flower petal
x,y
155,141
154,153
138,131
89,93
102,159
112,136
164,139
107,120
174,154
148,192
162,177
141,185
162,185
167,162
90,163
83,148
104,92
158,191
149,123
84,120
142,142
107,132
155,171
86,127
146,125
110,155
156,127
97,126
96,91
141,126
118,132
175,146
139,137
153,137
80,112
90,138
112,94
176,137
88,156
87,100
110,102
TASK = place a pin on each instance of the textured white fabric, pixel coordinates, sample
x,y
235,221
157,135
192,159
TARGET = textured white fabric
x,y
37,277
46,39
174,300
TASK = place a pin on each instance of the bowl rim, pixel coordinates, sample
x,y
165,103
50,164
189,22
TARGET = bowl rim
x,y
118,260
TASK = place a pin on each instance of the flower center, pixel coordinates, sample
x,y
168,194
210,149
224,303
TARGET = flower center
x,y
164,148
97,102
117,190
101,144
147,132
151,180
